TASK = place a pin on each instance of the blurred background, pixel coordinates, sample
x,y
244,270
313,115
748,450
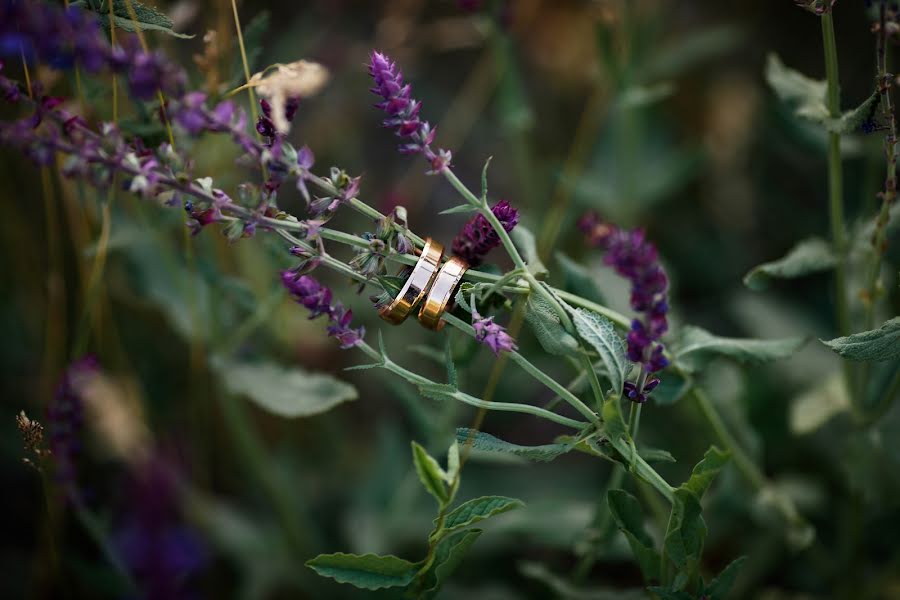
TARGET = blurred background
x,y
655,113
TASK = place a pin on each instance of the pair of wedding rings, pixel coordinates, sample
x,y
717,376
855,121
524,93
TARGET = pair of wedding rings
x,y
428,277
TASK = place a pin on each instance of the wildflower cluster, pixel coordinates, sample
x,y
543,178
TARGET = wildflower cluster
x,y
316,298
403,112
633,257
477,237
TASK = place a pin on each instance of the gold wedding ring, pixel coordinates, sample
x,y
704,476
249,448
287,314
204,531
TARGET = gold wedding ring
x,y
440,297
417,284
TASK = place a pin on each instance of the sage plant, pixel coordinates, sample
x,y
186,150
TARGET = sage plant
x,y
623,359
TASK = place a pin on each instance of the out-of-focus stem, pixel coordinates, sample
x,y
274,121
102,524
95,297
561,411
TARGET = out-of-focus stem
x,y
835,176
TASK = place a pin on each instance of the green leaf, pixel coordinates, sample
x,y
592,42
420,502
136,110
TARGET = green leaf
x,y
870,346
578,279
852,120
805,95
545,325
285,392
721,585
479,509
526,244
656,455
146,18
488,443
448,555
599,332
686,531
452,462
809,256
672,387
460,208
430,474
368,571
705,471
626,511
697,347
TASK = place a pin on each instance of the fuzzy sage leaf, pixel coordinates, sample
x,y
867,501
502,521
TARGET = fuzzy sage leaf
x,y
696,347
809,256
871,346
430,474
626,511
479,509
285,392
145,18
488,443
600,334
367,571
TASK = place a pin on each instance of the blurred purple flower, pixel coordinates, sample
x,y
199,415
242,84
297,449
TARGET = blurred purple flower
x,y
159,549
636,259
403,112
316,298
477,237
65,419
491,334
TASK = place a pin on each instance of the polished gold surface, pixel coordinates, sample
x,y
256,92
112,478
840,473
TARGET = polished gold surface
x,y
440,297
417,284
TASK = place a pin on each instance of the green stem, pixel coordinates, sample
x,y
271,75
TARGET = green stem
x,y
634,419
835,176
419,380
836,193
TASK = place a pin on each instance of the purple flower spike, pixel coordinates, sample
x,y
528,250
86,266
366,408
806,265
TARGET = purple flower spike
x,y
403,113
634,258
491,334
65,418
317,299
477,237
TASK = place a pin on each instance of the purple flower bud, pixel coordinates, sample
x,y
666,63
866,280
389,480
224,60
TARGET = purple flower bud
x,y
478,237
491,334
404,113
317,299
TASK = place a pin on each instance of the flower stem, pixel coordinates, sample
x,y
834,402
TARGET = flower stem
x,y
835,175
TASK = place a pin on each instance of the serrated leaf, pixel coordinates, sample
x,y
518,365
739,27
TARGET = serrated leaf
x,y
488,443
461,208
809,256
548,330
686,532
145,18
438,391
626,512
705,471
448,555
721,585
367,571
870,346
804,94
285,392
578,279
479,509
599,332
697,346
527,246
430,474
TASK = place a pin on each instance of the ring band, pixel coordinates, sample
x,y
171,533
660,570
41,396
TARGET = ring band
x,y
440,298
415,287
